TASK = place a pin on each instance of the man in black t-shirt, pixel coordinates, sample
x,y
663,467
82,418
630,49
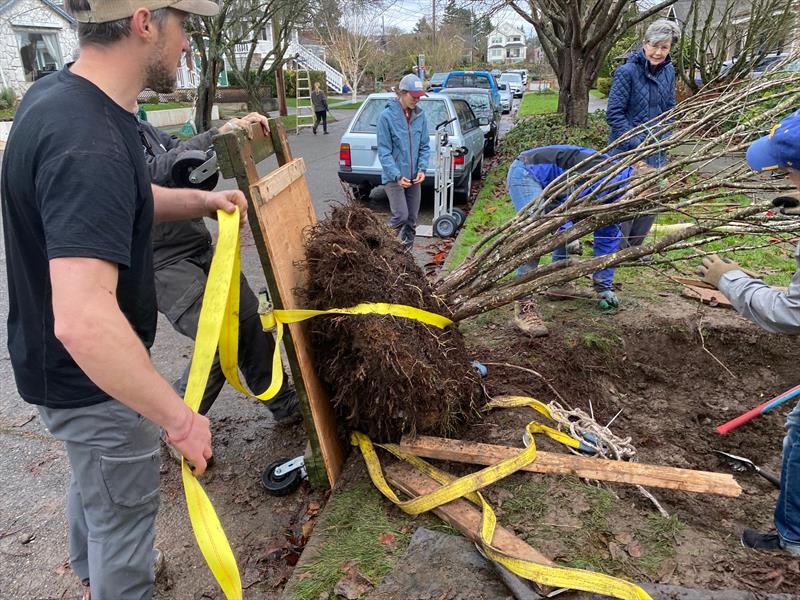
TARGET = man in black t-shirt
x,y
78,209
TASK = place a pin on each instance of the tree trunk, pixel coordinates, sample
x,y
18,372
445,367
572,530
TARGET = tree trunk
x,y
573,99
206,93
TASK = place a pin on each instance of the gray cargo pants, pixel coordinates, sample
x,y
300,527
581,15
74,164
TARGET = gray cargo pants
x,y
633,232
113,496
179,291
404,204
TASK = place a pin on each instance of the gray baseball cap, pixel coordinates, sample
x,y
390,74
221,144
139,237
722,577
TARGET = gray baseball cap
x,y
103,11
413,85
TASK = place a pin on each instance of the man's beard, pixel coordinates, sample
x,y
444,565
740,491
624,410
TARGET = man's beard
x,y
160,78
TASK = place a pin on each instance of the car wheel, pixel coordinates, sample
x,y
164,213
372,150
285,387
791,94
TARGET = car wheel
x,y
491,148
361,192
477,172
465,189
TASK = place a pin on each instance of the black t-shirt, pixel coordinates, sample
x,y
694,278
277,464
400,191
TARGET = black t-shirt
x,y
75,184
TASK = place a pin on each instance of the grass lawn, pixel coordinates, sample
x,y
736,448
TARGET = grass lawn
x,y
8,113
166,106
534,103
597,94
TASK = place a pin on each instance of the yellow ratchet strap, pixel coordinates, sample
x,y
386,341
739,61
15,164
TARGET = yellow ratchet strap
x,y
219,328
468,486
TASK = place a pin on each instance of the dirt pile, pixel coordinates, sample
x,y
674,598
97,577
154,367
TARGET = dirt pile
x,y
387,376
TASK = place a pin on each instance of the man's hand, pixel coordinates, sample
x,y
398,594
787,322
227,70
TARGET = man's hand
x,y
419,178
193,440
245,122
227,200
714,267
405,182
608,299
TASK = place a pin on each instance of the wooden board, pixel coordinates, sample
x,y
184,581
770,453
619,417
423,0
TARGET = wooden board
x,y
285,213
687,480
712,296
462,515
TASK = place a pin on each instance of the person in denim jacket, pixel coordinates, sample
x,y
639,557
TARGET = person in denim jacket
x,y
404,150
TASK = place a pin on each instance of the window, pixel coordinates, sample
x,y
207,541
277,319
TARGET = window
x,y
513,53
496,40
40,53
469,80
435,112
516,38
465,116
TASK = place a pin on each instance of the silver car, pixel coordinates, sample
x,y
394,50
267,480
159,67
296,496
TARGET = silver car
x,y
505,96
514,81
360,167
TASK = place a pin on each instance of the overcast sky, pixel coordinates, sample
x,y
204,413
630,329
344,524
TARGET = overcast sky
x,y
405,14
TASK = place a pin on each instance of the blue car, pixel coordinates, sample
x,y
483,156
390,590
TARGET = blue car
x,y
473,79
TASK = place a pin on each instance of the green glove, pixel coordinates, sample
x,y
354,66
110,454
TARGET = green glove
x,y
714,267
608,299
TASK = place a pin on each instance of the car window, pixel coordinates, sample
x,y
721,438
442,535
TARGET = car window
x,y
469,80
513,77
367,121
437,78
465,115
479,103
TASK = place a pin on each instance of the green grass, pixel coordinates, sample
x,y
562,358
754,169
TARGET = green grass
x,y
8,113
535,103
166,106
596,94
354,521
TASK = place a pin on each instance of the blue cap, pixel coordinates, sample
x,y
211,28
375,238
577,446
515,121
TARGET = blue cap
x,y
778,150
412,84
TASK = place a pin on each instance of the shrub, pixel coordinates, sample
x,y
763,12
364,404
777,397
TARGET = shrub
x,y
8,98
604,85
549,129
154,99
235,78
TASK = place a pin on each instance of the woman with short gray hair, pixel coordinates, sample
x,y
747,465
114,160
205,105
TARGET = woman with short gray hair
x,y
643,88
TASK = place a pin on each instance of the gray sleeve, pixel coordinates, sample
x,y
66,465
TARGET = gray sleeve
x,y
161,164
776,311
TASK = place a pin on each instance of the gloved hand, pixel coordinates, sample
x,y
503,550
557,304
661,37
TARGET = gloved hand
x,y
787,204
714,267
608,299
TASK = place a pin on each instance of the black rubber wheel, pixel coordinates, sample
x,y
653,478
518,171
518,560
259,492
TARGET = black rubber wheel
x,y
464,191
280,486
444,226
183,167
477,172
460,216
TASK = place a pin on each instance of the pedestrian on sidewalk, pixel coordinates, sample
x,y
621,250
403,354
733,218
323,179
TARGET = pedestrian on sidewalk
x,y
642,89
319,100
776,311
531,172
78,210
182,253
404,150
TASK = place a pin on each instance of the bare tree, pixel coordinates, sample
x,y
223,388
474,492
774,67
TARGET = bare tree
x,y
351,39
713,30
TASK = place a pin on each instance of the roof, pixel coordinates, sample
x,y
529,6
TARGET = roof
x,y
507,30
466,90
6,4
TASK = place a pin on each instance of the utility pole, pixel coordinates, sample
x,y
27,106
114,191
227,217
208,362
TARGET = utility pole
x,y
433,33
279,80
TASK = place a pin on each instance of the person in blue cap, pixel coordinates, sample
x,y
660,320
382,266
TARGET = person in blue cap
x,y
777,311
531,172
404,150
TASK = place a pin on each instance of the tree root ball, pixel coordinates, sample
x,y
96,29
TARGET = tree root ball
x,y
387,376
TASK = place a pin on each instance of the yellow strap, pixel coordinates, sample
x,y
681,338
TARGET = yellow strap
x,y
218,327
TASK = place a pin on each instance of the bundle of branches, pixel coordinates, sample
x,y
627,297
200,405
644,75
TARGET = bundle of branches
x,y
387,376
710,125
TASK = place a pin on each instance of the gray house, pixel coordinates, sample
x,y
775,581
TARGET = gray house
x,y
36,38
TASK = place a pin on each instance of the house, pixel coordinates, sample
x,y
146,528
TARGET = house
x,y
506,44
36,38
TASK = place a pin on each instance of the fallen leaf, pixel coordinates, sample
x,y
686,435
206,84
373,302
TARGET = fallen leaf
x,y
62,568
304,575
387,538
616,551
353,585
308,527
491,209
666,571
634,549
313,508
623,537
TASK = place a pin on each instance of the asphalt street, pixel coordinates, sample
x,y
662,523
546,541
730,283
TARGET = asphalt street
x,y
33,541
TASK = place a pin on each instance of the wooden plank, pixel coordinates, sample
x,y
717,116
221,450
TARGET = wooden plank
x,y
693,282
285,213
462,515
255,149
712,297
687,480
279,141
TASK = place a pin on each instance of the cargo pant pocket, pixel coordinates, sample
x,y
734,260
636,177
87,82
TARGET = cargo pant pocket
x,y
131,481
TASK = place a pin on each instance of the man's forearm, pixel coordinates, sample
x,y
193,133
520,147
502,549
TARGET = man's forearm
x,y
176,204
774,310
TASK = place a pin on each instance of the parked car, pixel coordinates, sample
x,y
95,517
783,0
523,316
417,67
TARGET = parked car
x,y
487,111
523,73
514,81
472,79
505,96
360,167
496,73
436,81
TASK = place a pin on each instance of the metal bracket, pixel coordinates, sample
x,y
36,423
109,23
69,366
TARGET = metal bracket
x,y
204,171
292,465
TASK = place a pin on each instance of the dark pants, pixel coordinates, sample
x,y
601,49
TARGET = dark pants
x,y
179,289
635,231
321,116
404,204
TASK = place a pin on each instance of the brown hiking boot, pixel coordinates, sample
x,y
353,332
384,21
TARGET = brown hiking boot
x,y
568,291
528,321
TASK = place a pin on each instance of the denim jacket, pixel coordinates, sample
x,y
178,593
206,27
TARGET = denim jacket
x,y
403,146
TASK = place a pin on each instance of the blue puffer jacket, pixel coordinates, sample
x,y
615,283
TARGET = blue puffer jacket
x,y
403,146
638,95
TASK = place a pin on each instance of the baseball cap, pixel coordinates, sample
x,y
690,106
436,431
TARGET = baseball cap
x,y
103,11
412,84
779,149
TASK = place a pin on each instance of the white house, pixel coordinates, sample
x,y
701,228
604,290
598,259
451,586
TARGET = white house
x,y
506,44
36,38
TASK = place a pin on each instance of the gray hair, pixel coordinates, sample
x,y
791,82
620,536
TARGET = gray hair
x,y
110,32
661,31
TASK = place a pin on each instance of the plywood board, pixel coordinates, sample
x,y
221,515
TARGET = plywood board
x,y
712,297
687,480
285,214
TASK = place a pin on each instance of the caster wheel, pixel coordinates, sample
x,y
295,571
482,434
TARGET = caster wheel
x,y
460,216
280,485
183,167
444,226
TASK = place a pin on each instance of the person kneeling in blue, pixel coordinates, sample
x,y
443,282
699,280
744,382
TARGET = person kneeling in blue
x,y
531,172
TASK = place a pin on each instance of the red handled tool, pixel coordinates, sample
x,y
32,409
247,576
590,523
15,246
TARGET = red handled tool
x,y
758,410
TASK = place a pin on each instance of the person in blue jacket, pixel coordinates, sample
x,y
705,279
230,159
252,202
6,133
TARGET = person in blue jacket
x,y
404,149
531,172
642,89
